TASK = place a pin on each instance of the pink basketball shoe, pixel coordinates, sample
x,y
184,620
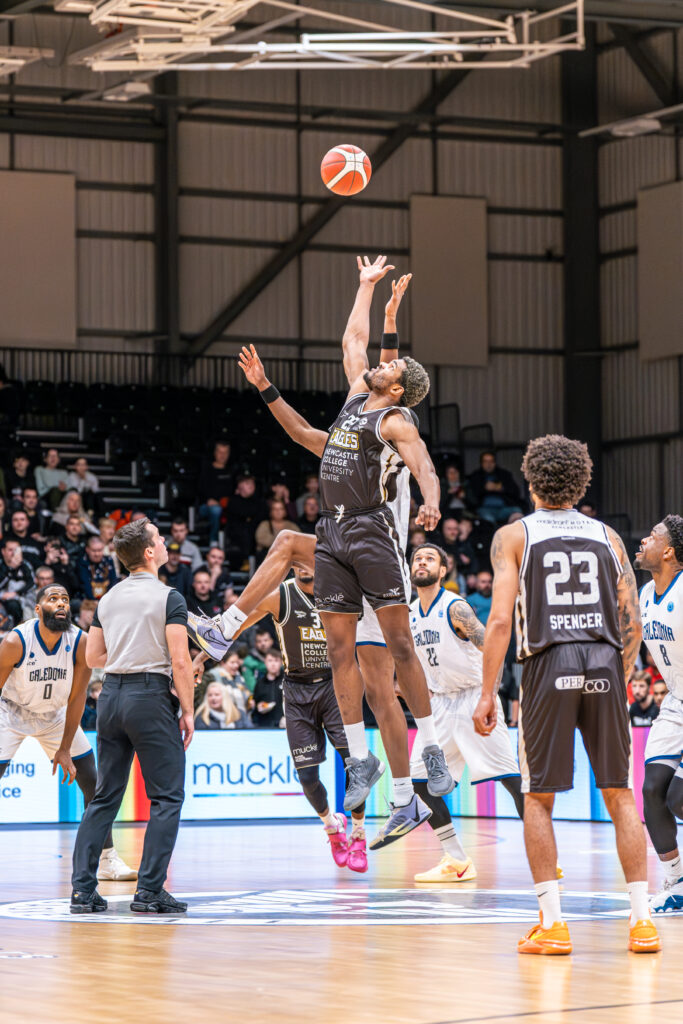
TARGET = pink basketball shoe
x,y
339,842
358,856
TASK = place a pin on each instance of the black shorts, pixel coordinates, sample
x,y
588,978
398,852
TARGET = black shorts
x,y
564,687
360,556
311,710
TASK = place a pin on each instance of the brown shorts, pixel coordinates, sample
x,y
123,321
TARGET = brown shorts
x,y
565,687
311,713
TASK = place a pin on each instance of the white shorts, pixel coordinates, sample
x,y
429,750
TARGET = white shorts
x,y
16,724
487,757
369,630
665,742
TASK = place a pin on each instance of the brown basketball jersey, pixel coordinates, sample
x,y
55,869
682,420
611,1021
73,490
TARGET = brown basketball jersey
x,y
302,637
567,583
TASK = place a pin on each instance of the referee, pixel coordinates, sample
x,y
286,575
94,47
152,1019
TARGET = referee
x,y
138,636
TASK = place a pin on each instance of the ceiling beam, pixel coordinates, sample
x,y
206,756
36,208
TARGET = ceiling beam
x,y
658,81
320,218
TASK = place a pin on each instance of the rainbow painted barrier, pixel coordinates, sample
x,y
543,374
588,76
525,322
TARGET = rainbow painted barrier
x,y
250,775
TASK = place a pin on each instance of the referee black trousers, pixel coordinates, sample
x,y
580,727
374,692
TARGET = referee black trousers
x,y
135,715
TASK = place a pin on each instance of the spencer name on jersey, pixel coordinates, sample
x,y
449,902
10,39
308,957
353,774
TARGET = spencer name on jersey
x,y
42,679
302,638
567,583
451,664
662,617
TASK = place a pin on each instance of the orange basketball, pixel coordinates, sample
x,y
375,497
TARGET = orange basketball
x,y
346,170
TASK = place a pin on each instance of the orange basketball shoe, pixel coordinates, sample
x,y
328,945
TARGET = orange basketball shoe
x,y
553,941
644,938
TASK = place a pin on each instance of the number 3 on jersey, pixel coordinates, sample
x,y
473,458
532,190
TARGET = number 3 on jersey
x,y
588,577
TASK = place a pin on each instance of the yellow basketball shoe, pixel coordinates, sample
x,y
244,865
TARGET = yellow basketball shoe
x,y
559,872
553,941
449,870
644,938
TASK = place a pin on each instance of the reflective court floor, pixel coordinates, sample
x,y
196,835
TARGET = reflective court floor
x,y
276,932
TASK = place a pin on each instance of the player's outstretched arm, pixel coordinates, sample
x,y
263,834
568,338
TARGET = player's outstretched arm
x,y
506,551
629,606
292,422
74,713
412,449
357,333
390,335
11,652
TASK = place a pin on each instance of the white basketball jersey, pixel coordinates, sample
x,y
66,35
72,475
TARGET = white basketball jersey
x,y
663,631
41,682
451,664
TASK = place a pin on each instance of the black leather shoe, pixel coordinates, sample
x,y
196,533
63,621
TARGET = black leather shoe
x,y
146,902
87,903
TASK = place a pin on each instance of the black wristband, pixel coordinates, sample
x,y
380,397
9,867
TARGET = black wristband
x,y
271,394
390,340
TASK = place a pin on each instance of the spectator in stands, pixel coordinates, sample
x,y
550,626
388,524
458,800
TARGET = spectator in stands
x,y
644,709
201,595
51,480
215,487
44,577
588,508
481,599
465,555
96,571
19,530
73,536
72,505
19,476
89,717
279,491
245,512
452,490
493,490
255,662
35,510
57,559
17,585
268,710
86,613
449,535
220,575
267,531
107,528
174,573
650,667
311,515
81,479
659,692
190,554
416,536
311,490
452,581
218,710
228,673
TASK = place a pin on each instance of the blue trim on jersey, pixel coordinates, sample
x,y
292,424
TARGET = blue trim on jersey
x,y
664,757
369,643
660,597
40,641
6,762
496,778
21,660
423,615
78,640
79,757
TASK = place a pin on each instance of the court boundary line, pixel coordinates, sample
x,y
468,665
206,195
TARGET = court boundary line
x,y
542,1013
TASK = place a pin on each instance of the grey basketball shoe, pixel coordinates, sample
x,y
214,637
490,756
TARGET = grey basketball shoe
x,y
402,821
439,779
362,776
205,634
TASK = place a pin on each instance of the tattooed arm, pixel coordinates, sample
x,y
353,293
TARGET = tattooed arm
x,y
629,606
506,555
466,624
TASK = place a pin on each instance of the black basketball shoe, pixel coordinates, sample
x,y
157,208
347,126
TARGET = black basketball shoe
x,y
146,902
87,903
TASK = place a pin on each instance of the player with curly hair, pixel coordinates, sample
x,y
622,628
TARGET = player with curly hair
x,y
578,635
661,609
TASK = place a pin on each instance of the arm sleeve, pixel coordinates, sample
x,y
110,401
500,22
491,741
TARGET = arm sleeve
x,y
176,609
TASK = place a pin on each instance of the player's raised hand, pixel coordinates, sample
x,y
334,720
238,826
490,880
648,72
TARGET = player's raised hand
x,y
371,273
63,758
428,516
485,715
398,290
253,367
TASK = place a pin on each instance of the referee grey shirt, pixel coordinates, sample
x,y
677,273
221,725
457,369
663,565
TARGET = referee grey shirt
x,y
133,616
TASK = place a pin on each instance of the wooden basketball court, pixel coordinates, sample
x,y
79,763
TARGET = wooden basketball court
x,y
276,932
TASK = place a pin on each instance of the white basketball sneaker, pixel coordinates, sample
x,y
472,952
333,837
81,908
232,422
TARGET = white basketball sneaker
x,y
113,869
669,897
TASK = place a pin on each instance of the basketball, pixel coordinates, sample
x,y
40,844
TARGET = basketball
x,y
346,170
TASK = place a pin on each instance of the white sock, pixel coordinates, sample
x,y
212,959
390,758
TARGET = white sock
x,y
637,893
672,869
549,900
426,730
231,621
355,737
450,842
403,791
357,825
330,821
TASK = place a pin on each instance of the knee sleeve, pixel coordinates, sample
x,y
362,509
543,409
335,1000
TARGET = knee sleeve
x,y
440,814
513,784
314,791
674,797
86,776
659,819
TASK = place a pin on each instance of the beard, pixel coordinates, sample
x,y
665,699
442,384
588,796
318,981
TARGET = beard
x,y
367,377
54,624
426,580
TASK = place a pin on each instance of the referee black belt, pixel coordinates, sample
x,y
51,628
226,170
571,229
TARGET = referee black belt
x,y
341,512
136,677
